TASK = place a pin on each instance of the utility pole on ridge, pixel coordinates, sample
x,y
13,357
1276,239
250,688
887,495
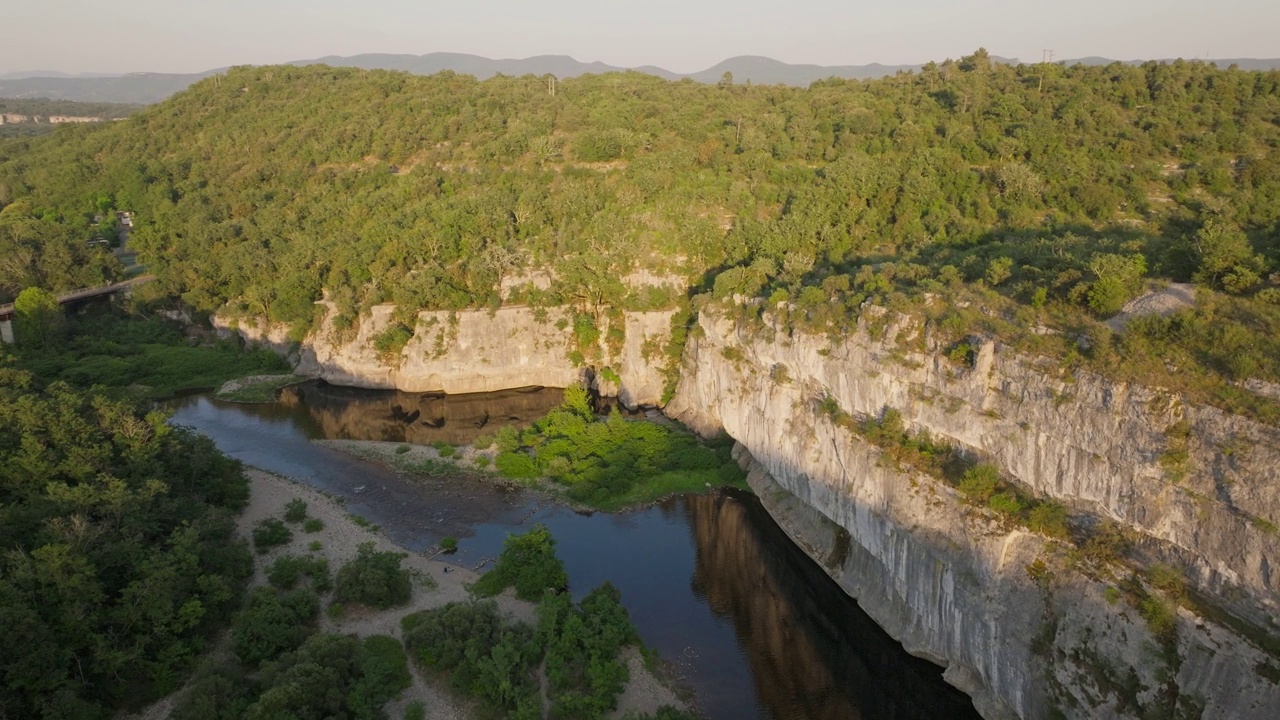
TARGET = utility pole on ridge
x,y
1046,56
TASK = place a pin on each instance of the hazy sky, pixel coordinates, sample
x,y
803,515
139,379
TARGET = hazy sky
x,y
680,35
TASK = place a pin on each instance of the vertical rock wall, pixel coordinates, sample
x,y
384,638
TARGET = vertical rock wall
x,y
949,580
476,351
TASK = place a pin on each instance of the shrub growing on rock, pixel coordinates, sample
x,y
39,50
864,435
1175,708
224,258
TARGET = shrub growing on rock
x,y
1049,518
980,483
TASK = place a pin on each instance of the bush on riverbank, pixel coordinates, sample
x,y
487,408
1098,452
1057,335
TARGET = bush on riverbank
x,y
583,642
269,533
612,463
256,388
485,657
493,659
375,579
288,570
328,675
273,623
529,564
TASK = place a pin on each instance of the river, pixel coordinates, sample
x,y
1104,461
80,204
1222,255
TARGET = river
x,y
736,611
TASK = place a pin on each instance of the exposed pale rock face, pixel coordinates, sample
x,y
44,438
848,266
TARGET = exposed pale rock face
x,y
478,351
254,331
951,583
946,579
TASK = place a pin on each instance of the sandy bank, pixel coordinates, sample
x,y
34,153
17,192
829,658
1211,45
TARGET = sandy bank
x,y
339,541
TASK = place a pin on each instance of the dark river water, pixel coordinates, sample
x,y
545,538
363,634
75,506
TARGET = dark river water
x,y
741,616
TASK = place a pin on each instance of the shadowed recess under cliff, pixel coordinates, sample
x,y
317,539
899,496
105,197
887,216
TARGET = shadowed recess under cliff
x,y
823,656
418,418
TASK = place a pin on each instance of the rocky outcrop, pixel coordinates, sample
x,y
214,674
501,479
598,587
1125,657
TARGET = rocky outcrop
x,y
16,119
257,332
474,351
949,580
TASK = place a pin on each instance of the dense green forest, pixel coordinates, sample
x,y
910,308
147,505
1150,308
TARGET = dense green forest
x,y
44,108
1049,194
129,352
117,554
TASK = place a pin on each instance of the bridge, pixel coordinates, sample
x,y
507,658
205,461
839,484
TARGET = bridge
x,y
7,311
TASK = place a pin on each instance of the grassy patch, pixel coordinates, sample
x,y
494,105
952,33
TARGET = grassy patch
x,y
259,388
613,463
151,356
295,511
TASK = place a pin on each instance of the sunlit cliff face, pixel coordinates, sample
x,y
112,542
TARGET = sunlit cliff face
x,y
814,653
417,418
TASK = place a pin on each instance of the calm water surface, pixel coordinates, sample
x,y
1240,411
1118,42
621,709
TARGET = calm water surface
x,y
742,617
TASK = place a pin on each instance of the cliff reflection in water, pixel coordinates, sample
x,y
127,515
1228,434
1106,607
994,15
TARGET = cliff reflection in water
x,y
418,418
814,653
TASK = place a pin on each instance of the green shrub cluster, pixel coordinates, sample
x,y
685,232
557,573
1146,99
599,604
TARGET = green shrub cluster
x,y
295,511
485,657
582,644
390,342
528,563
979,483
327,676
270,532
273,623
285,572
496,660
374,578
118,554
614,462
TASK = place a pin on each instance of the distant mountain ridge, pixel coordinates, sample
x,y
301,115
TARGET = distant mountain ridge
x,y
132,89
145,88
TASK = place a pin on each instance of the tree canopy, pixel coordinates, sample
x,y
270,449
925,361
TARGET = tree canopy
x,y
267,189
117,555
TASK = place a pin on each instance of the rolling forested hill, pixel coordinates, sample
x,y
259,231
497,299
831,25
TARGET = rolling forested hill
x,y
1052,190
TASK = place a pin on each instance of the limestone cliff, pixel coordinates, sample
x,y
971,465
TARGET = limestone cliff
x,y
949,580
475,351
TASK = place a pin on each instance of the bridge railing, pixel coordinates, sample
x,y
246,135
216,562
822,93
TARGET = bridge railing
x,y
7,310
